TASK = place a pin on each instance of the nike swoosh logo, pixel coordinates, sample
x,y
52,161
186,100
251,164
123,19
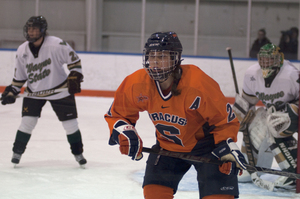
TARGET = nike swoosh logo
x,y
164,106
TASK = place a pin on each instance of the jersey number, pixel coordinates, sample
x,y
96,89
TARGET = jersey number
x,y
73,56
172,132
230,112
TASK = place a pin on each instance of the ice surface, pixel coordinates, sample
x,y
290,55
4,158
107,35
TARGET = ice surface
x,y
48,170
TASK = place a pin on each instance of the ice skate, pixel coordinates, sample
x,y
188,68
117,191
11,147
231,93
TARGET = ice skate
x,y
81,160
16,159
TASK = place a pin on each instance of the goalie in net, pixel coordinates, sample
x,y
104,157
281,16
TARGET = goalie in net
x,y
270,129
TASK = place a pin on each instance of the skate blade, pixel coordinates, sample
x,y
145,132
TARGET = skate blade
x,y
82,166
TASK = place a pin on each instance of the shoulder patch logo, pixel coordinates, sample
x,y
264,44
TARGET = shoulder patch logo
x,y
141,98
63,43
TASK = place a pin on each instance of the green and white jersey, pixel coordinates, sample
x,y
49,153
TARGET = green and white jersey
x,y
45,71
283,89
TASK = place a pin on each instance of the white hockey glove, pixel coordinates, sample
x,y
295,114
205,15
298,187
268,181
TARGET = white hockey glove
x,y
229,151
277,122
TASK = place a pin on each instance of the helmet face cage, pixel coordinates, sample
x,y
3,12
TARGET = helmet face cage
x,y
162,54
270,59
160,64
35,21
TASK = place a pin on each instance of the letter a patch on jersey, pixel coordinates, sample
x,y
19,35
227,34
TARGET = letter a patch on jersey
x,y
196,103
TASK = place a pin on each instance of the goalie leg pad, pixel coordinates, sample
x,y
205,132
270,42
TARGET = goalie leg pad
x,y
257,128
262,183
265,155
283,181
285,152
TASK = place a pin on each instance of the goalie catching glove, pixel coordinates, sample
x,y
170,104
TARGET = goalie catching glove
x,y
74,79
9,95
126,136
229,152
283,124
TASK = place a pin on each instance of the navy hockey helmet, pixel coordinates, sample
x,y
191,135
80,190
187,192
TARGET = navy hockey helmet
x,y
164,48
35,21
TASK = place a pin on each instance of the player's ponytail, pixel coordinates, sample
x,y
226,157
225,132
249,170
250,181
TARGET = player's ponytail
x,y
177,75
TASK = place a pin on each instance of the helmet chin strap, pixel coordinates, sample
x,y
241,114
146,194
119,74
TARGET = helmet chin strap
x,y
162,81
32,40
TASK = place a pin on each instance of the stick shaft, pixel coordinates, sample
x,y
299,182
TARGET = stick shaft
x,y
40,93
233,70
183,156
45,92
200,159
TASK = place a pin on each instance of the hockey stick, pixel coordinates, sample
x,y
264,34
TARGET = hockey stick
x,y
44,92
201,159
232,70
247,118
41,93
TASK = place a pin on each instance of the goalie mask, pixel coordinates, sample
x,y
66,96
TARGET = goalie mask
x,y
270,59
35,21
161,55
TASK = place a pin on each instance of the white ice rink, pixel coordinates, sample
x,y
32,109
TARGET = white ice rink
x,y
48,170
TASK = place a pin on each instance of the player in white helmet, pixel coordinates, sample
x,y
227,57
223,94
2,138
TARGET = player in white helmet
x,y
39,63
275,82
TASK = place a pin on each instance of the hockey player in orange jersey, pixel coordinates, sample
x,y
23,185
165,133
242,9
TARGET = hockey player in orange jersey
x,y
190,115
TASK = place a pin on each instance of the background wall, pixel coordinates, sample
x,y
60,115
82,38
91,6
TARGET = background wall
x,y
105,71
117,26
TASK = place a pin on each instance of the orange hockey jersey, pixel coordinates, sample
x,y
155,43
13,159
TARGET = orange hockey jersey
x,y
178,120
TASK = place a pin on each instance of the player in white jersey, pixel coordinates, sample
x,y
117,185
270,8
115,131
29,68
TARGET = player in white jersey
x,y
39,63
275,82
